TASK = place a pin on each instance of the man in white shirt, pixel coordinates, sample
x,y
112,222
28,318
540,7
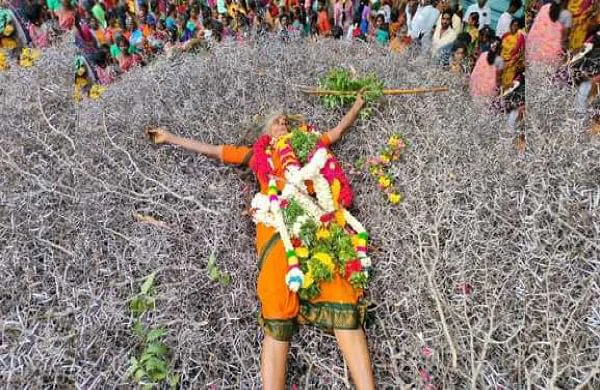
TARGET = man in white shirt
x,y
484,11
443,38
503,25
421,27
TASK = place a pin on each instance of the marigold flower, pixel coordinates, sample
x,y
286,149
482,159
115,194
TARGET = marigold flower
x,y
323,234
394,197
302,252
384,181
325,259
308,280
3,61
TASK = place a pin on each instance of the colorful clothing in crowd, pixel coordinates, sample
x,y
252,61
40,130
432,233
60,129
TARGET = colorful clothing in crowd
x,y
513,49
582,11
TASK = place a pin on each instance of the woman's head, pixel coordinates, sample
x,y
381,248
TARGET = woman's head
x,y
276,125
474,19
81,70
486,35
554,11
493,51
379,21
460,51
9,29
515,25
283,20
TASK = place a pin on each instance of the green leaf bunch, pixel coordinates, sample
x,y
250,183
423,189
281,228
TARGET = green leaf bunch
x,y
303,143
341,80
151,368
291,212
215,274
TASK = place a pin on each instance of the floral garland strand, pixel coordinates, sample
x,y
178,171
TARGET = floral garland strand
x,y
319,235
379,167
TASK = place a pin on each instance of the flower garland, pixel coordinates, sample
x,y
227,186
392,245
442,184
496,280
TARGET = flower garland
x,y
320,237
379,167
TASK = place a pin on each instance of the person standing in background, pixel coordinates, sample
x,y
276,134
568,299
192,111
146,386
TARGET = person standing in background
x,y
503,25
423,23
484,11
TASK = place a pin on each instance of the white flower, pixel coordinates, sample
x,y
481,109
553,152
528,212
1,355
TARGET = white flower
x,y
365,262
294,279
323,192
300,221
293,175
315,164
289,191
353,222
309,206
260,202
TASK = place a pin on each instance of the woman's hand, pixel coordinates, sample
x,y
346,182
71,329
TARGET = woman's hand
x,y
360,100
158,135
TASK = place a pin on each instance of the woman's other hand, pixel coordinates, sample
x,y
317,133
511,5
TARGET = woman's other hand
x,y
158,135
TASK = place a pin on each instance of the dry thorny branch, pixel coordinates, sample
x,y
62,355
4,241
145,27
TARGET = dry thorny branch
x,y
487,273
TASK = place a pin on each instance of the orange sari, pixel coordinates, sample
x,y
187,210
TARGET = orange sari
x,y
336,307
513,47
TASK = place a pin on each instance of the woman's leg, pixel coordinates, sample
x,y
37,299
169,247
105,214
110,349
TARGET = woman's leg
x,y
274,363
353,344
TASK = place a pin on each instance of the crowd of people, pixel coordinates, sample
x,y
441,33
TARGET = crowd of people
x,y
114,36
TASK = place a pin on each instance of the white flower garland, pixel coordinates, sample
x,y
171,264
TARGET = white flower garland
x,y
267,210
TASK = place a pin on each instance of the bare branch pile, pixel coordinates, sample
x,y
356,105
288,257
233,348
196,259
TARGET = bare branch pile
x,y
487,273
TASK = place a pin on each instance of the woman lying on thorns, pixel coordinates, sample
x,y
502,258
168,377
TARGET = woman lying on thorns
x,y
312,253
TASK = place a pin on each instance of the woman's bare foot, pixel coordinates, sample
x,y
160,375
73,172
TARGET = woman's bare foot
x,y
157,135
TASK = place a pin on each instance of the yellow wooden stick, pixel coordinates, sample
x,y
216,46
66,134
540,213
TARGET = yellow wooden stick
x,y
416,91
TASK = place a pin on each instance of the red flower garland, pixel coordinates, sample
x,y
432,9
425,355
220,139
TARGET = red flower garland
x,y
331,171
260,166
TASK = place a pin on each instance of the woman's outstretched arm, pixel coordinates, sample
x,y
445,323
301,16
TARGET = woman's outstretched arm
x,y
336,133
162,136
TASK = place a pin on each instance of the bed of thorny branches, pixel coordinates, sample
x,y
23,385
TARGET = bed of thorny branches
x,y
487,272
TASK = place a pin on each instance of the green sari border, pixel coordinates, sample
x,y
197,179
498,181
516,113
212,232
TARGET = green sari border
x,y
266,250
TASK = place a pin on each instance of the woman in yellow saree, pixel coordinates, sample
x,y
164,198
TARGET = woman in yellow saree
x,y
582,11
513,50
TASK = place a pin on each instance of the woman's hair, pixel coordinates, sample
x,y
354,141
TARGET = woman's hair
x,y
520,22
555,9
459,45
493,51
270,120
475,17
464,38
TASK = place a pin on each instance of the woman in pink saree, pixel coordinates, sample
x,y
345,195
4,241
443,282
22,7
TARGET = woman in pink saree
x,y
485,78
545,38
